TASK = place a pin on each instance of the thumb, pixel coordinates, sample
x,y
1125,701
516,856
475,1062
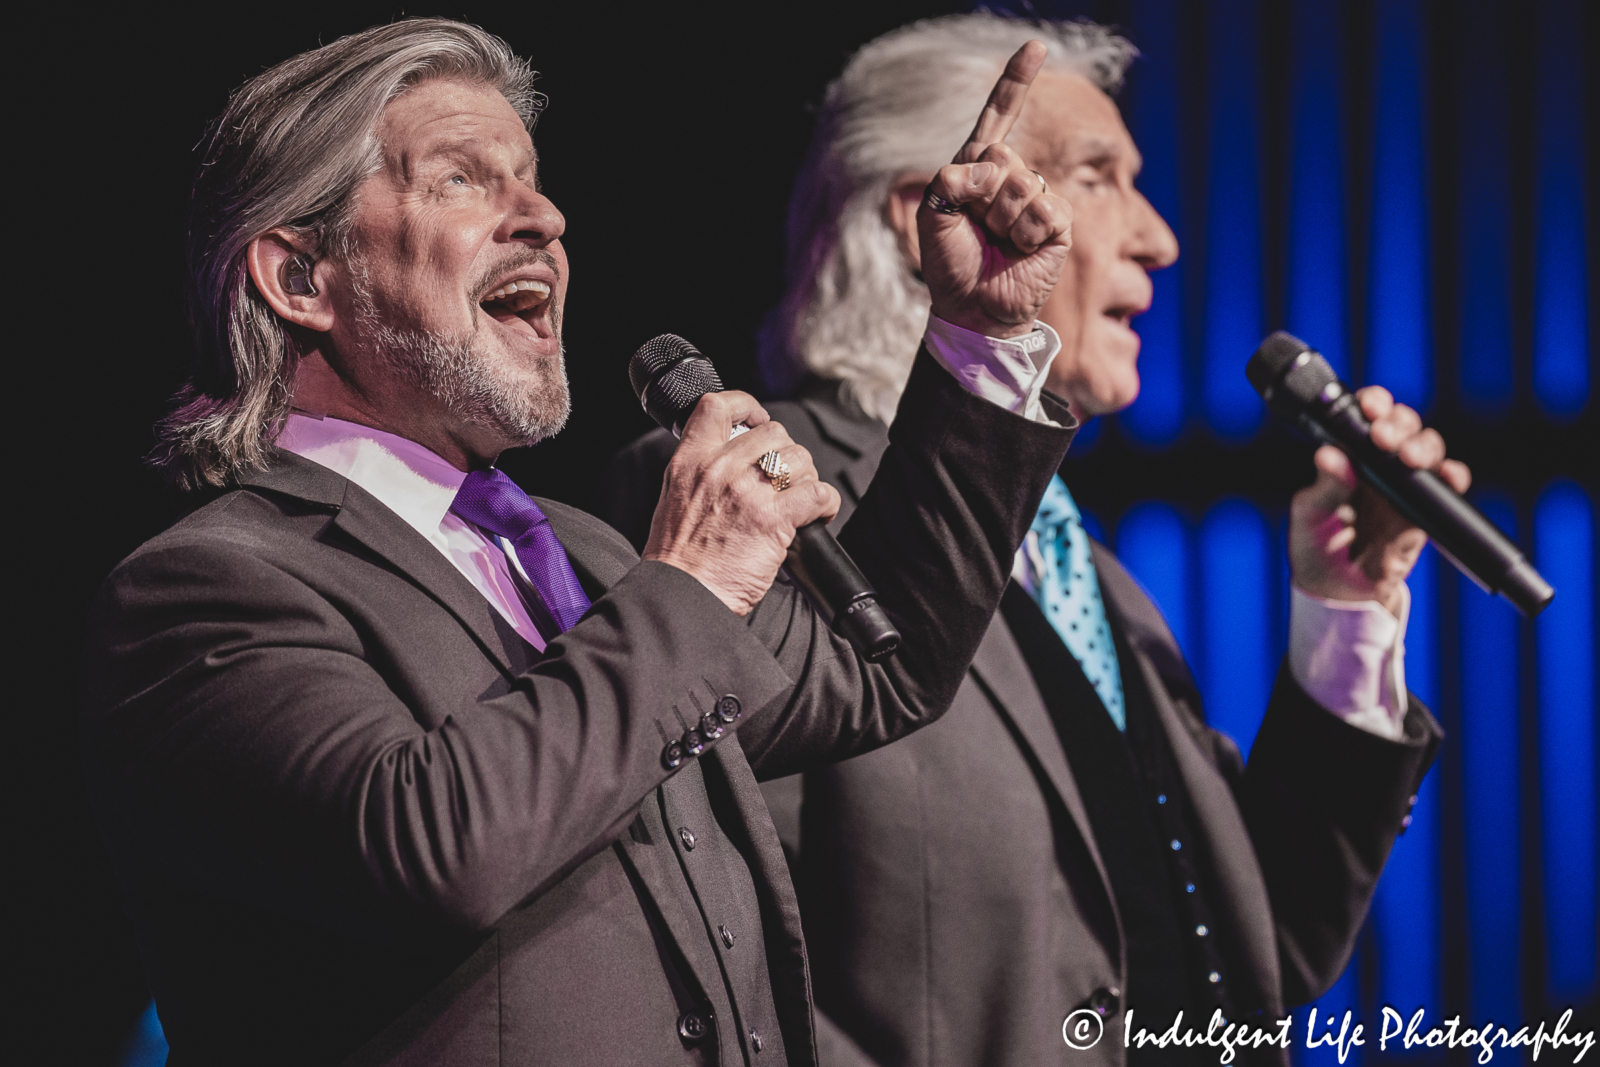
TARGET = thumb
x,y
1336,481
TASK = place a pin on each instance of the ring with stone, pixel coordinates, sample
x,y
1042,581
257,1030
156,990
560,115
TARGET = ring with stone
x,y
776,470
940,204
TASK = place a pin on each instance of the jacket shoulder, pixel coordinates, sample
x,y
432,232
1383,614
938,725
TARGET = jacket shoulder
x,y
239,521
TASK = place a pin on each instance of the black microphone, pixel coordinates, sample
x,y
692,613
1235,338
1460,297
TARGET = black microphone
x,y
670,376
1299,385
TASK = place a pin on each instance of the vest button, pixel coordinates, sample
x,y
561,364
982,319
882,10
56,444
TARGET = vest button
x,y
727,936
1106,1000
686,835
729,708
694,1025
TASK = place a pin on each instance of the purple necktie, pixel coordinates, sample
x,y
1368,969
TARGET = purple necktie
x,y
493,502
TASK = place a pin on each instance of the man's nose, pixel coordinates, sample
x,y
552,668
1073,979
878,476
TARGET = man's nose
x,y
531,217
1154,244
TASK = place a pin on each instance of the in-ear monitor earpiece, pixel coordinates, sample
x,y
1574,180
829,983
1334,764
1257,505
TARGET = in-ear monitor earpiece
x,y
297,275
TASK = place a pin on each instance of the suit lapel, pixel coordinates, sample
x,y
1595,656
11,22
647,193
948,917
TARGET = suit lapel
x,y
1242,903
367,520
1003,673
600,555
364,518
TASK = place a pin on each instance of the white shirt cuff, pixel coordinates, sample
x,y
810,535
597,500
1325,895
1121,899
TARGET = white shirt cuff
x,y
1349,656
1005,371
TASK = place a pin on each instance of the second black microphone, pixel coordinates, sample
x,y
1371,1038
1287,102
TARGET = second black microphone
x,y
1298,384
670,376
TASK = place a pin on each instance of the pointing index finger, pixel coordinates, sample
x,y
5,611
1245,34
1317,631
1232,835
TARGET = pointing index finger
x,y
1005,101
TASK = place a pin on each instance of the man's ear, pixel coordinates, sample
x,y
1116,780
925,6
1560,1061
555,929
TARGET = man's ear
x,y
905,196
294,284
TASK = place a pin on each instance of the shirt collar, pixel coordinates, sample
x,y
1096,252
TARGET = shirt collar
x,y
416,484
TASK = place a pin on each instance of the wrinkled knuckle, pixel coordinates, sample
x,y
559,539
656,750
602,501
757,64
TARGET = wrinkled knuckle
x,y
1039,216
1021,185
998,153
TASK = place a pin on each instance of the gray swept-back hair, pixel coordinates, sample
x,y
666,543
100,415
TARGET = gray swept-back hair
x,y
852,309
289,151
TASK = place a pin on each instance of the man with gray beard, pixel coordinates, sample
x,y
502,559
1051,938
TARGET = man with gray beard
x,y
457,374
397,765
1071,842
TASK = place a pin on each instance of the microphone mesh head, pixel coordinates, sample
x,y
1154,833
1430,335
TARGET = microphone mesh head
x,y
1276,354
670,376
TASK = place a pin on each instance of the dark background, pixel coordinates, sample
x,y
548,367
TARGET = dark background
x,y
670,143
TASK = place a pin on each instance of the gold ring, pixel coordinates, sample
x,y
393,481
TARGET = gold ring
x,y
776,470
1044,186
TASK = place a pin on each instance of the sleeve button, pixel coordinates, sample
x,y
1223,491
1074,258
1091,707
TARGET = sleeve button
x,y
693,743
672,755
729,708
694,1025
710,726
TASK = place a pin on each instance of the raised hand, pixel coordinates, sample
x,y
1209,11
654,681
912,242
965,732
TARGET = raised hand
x,y
993,237
1346,542
720,518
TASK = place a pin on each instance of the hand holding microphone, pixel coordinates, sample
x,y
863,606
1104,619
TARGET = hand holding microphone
x,y
1345,541
740,498
992,242
1358,542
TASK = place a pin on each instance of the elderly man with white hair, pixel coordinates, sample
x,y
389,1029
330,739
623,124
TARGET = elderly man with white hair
x,y
1071,843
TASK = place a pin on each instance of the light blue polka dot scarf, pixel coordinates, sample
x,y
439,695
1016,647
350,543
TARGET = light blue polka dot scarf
x,y
1056,571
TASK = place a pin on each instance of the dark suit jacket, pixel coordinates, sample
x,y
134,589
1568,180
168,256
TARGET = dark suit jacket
x,y
350,806
955,901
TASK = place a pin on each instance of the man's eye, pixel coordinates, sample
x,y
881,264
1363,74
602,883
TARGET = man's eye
x,y
459,179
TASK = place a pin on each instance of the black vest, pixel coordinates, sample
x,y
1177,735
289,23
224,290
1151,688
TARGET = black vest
x,y
1139,814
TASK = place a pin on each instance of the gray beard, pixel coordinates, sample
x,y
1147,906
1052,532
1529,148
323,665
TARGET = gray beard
x,y
453,371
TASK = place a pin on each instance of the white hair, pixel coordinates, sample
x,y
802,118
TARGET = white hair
x,y
852,309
